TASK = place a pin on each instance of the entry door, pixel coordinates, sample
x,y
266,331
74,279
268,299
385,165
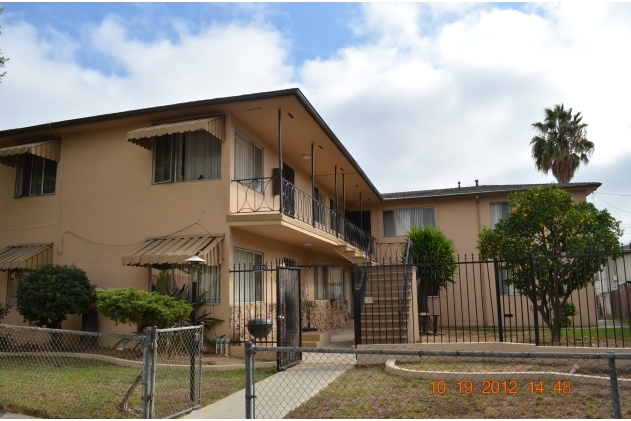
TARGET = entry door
x,y
288,316
289,205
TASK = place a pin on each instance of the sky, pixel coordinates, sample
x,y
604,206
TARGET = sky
x,y
422,95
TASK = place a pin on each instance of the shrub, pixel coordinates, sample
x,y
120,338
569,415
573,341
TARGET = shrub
x,y
48,294
140,308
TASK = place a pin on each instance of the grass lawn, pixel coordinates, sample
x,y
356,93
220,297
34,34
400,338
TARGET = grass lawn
x,y
370,392
55,387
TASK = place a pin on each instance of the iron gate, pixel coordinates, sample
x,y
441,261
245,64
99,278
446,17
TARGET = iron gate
x,y
288,315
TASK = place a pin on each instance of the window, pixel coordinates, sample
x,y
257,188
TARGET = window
x,y
322,283
336,285
397,222
36,176
248,284
329,286
168,277
13,278
505,288
186,156
499,211
248,165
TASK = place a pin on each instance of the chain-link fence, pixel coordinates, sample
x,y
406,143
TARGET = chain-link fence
x,y
53,373
392,383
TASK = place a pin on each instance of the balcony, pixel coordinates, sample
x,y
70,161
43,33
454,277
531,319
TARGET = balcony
x,y
262,196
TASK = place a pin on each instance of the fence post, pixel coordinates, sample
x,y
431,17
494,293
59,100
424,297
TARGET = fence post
x,y
146,374
498,296
534,297
249,380
613,381
154,364
201,357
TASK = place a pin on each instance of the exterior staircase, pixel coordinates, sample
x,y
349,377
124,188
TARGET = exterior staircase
x,y
380,320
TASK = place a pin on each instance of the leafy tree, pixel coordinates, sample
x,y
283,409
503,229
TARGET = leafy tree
x,y
561,144
48,294
143,309
547,224
434,257
3,59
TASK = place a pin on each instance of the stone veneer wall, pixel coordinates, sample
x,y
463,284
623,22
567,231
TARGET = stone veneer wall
x,y
328,315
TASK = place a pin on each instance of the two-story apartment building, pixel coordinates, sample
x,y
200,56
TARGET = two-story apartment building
x,y
129,196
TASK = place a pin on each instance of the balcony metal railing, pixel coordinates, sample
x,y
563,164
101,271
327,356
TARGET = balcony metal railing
x,y
262,195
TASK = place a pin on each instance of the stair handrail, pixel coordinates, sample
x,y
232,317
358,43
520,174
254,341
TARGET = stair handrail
x,y
404,286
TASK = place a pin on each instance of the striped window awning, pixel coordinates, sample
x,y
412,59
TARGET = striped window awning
x,y
144,137
176,250
49,149
26,256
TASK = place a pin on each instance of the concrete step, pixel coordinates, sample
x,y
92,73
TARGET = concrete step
x,y
316,339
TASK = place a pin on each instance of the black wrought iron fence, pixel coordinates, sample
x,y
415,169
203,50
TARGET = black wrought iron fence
x,y
543,300
263,195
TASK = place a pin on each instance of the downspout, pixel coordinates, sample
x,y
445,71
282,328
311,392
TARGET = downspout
x,y
280,161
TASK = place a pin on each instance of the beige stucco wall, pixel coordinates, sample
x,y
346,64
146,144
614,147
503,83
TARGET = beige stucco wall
x,y
105,206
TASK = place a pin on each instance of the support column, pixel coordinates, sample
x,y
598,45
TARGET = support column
x,y
314,208
280,160
337,206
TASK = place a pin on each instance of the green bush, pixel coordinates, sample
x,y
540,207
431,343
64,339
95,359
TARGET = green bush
x,y
47,295
140,308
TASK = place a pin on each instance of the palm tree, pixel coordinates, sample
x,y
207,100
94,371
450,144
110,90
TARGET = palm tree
x,y
561,144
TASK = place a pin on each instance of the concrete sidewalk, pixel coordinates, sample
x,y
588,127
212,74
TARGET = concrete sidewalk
x,y
277,395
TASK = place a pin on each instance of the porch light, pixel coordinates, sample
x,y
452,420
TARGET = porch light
x,y
306,157
195,261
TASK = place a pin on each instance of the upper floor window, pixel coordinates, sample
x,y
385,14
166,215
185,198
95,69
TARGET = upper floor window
x,y
499,211
35,176
248,162
397,222
186,156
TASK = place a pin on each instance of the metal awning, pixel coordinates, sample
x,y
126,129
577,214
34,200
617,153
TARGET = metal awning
x,y
48,149
26,256
176,250
143,137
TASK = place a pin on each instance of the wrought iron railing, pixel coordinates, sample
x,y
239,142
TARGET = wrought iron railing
x,y
403,293
262,195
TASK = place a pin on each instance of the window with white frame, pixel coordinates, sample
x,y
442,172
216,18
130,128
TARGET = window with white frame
x,y
499,211
248,284
167,278
36,176
397,222
248,164
186,156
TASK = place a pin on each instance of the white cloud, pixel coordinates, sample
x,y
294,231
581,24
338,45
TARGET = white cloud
x,y
429,96
46,83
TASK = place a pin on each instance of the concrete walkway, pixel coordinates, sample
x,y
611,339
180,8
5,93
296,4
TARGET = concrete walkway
x,y
277,395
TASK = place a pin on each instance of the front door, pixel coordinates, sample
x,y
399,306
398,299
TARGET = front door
x,y
288,316
289,206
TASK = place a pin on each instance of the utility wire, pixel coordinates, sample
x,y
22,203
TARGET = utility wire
x,y
621,210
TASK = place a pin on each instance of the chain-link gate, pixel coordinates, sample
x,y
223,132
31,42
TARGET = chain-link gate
x,y
57,373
